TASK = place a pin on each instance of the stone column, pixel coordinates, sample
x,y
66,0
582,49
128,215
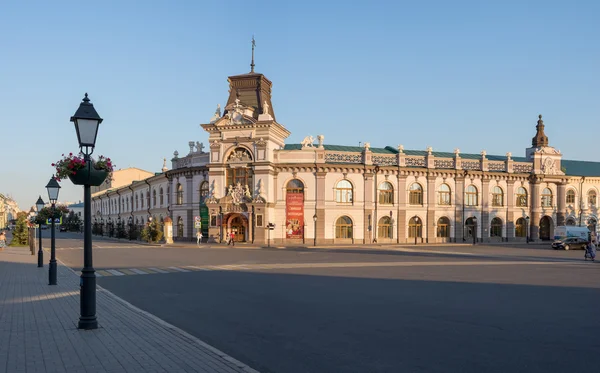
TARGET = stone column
x,y
484,226
191,208
561,213
510,204
401,222
534,228
430,201
320,192
459,200
369,212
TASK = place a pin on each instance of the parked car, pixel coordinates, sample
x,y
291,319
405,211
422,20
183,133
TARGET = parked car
x,y
63,228
569,243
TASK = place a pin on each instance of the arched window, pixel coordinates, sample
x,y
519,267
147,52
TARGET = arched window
x,y
386,193
415,227
137,202
343,192
521,228
443,227
295,186
570,221
148,199
496,228
384,227
203,191
471,196
444,195
160,196
546,197
592,198
343,227
497,196
180,227
154,197
239,174
179,194
415,194
521,197
570,196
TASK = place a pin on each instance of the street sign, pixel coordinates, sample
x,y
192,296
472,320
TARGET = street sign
x,y
56,221
270,226
197,222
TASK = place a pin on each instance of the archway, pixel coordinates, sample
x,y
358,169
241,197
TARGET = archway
x,y
546,228
238,225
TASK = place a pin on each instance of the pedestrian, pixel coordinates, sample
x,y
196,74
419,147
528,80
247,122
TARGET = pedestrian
x,y
228,238
232,239
591,250
198,238
2,240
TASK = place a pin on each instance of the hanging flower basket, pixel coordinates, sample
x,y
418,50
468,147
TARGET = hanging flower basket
x,y
82,172
88,175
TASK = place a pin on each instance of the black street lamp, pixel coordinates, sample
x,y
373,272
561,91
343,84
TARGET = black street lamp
x,y
39,204
474,218
53,189
87,121
315,220
527,229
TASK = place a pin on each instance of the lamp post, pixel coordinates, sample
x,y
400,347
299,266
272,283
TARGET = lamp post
x,y
130,224
39,204
315,220
474,230
53,189
375,171
527,229
87,121
417,222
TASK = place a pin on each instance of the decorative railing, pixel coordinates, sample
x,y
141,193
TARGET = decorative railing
x,y
471,165
443,163
497,166
522,168
343,157
184,162
415,161
385,160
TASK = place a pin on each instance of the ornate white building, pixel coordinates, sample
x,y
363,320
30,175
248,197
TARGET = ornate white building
x,y
247,178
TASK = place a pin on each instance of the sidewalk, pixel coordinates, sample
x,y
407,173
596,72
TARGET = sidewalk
x,y
38,329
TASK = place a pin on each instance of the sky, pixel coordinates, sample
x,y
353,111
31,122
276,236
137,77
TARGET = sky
x,y
472,75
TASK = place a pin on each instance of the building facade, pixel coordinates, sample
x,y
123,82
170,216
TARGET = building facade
x,y
249,182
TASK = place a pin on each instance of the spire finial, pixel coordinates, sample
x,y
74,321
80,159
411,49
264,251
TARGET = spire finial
x,y
252,64
86,99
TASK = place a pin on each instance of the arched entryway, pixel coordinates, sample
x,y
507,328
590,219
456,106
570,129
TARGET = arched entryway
x,y
546,228
238,225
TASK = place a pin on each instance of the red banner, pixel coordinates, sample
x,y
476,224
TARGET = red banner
x,y
294,225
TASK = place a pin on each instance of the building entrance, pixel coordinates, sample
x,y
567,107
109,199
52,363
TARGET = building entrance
x,y
238,227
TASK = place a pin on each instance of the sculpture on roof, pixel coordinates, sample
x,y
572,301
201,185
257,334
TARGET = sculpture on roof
x,y
217,114
320,139
308,142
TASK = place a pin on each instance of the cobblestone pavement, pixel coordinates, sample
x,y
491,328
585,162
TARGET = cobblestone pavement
x,y
38,329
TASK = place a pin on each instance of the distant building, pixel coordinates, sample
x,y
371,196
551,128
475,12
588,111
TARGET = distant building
x,y
246,179
8,210
122,177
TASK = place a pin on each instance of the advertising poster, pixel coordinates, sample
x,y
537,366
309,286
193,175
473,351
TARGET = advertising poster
x,y
294,225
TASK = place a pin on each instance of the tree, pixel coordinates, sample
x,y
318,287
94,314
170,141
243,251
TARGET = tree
x,y
46,213
152,232
72,221
20,234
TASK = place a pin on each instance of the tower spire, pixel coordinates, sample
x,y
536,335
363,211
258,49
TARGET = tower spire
x,y
252,64
540,138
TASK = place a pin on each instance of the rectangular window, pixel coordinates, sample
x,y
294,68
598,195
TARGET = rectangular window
x,y
213,220
259,220
444,199
471,199
443,230
384,231
386,197
497,200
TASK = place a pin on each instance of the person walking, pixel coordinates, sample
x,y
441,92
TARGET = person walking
x,y
198,238
232,238
2,240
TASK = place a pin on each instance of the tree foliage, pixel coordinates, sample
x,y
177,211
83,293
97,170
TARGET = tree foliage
x,y
152,232
20,234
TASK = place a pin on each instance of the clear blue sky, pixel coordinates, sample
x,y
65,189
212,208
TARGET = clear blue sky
x,y
446,74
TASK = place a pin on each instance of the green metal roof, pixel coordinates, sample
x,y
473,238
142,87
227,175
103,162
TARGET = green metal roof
x,y
580,168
